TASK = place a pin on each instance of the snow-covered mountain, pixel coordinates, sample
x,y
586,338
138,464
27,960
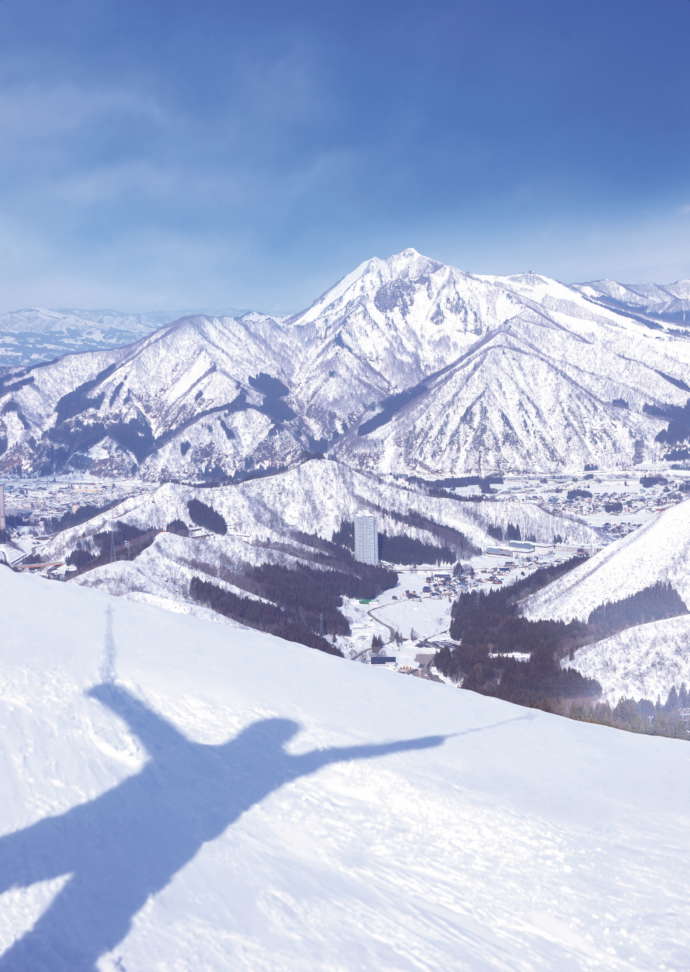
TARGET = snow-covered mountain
x,y
264,518
198,384
37,334
657,552
181,794
385,327
669,303
647,660
531,388
406,366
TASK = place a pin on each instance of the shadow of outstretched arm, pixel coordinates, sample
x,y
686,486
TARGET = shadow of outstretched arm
x,y
155,733
311,762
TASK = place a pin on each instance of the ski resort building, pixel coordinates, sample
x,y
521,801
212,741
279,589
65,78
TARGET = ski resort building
x,y
366,540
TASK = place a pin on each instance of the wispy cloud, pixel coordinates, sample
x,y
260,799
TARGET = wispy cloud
x,y
45,110
198,154
117,196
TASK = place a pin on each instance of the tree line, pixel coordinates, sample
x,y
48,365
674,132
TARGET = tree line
x,y
669,718
123,542
300,602
257,614
491,632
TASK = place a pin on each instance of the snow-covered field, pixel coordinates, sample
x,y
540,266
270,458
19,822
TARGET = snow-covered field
x,y
421,617
233,801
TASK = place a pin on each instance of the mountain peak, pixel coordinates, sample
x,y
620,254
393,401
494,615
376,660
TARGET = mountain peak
x,y
410,257
369,273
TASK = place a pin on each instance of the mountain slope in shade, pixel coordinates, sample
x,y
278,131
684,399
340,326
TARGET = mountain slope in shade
x,y
235,801
405,365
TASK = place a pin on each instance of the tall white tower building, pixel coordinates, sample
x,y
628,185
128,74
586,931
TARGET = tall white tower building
x,y
366,540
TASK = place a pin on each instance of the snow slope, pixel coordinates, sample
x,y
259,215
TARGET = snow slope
x,y
658,551
233,801
643,662
530,391
646,660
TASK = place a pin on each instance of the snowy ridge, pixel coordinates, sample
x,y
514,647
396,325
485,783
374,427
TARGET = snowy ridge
x,y
669,303
658,551
380,822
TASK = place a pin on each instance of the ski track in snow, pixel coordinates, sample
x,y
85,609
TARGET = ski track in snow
x,y
107,671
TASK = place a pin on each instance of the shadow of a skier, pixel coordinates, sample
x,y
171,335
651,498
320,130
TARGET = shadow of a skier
x,y
127,844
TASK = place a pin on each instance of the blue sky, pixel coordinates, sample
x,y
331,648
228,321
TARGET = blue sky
x,y
215,154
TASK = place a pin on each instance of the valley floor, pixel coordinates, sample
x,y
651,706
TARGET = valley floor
x,y
418,607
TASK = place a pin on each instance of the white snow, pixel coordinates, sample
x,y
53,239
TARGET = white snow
x,y
643,662
658,551
520,842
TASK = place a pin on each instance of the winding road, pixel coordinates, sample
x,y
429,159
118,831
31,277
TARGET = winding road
x,y
392,630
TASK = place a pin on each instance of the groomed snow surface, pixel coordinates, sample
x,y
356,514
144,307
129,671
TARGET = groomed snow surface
x,y
180,795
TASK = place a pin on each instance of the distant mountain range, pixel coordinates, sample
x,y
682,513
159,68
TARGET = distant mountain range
x,y
667,303
406,366
35,335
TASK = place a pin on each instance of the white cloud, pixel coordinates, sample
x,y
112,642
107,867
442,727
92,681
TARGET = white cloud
x,y
41,110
